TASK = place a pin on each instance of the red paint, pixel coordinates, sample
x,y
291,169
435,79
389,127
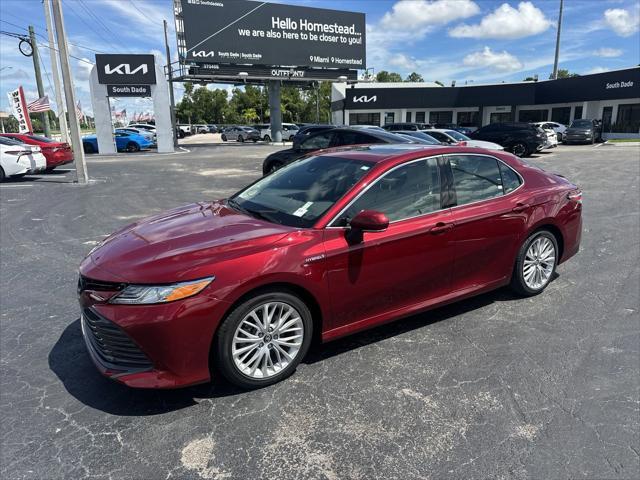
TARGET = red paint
x,y
408,267
56,153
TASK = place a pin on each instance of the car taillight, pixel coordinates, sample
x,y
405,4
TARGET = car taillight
x,y
575,196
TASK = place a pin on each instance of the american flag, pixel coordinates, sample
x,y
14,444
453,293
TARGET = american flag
x,y
39,105
79,113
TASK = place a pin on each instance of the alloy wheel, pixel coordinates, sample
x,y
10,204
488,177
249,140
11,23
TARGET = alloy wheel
x,y
539,263
267,340
519,149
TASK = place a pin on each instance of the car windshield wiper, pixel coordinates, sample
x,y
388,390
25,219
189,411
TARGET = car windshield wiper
x,y
261,214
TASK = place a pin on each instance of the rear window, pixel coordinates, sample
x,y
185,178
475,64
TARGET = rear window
x,y
39,138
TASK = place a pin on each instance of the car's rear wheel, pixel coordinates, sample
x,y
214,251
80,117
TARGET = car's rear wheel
x,y
536,263
132,147
263,339
88,148
224,138
2,175
240,139
266,138
519,149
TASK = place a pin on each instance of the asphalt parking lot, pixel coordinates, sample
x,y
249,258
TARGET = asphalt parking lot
x,y
492,387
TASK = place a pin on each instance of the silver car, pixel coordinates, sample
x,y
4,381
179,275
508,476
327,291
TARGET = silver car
x,y
241,134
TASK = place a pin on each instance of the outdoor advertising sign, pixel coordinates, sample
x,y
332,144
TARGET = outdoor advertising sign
x,y
19,110
261,33
127,69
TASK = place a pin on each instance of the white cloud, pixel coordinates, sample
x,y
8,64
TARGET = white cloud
x,y
506,22
412,15
622,21
487,58
608,52
597,70
400,60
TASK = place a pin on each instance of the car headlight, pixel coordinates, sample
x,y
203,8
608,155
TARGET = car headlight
x,y
147,294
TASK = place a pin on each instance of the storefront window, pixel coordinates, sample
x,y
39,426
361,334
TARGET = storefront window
x,y
364,119
420,117
408,117
389,117
628,120
468,119
533,115
561,115
441,117
500,117
577,113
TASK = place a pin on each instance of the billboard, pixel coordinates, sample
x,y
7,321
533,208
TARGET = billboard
x,y
261,33
120,69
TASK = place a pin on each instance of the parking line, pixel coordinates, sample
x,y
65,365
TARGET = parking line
x,y
17,186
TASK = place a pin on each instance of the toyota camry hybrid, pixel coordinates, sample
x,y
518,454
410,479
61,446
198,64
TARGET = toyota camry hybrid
x,y
337,242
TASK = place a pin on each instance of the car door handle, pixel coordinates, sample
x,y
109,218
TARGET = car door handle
x,y
520,207
441,227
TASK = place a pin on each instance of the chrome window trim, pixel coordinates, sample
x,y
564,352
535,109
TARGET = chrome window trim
x,y
337,216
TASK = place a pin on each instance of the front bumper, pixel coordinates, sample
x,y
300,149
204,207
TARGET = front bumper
x,y
151,346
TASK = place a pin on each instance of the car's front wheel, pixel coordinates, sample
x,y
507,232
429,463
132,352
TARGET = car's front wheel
x,y
132,147
240,139
536,263
266,138
263,339
519,149
224,138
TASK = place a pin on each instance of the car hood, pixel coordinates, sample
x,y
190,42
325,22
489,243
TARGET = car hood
x,y
483,144
181,244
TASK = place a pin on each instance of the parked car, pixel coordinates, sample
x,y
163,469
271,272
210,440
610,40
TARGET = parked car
x,y
14,160
333,244
453,137
33,153
334,137
555,126
212,128
289,131
420,136
521,139
143,126
55,153
200,128
148,134
125,141
184,130
307,130
582,131
407,126
552,138
369,127
241,134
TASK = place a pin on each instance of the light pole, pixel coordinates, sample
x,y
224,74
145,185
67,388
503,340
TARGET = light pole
x,y
555,61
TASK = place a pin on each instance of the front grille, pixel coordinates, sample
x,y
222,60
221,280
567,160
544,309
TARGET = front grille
x,y
113,347
85,283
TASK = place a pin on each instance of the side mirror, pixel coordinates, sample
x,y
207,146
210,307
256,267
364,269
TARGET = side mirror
x,y
366,221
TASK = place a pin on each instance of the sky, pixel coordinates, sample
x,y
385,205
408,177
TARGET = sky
x,y
469,41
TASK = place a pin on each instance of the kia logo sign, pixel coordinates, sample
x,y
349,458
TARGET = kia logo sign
x,y
126,69
204,54
365,99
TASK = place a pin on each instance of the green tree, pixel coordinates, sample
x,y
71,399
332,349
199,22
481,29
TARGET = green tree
x,y
386,77
249,115
185,107
563,73
414,77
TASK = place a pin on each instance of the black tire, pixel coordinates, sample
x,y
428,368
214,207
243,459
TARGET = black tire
x,y
49,169
559,137
266,138
180,134
518,284
240,139
2,175
132,147
222,343
224,137
88,148
519,149
272,167
255,140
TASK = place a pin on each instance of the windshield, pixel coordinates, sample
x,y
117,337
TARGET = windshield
x,y
38,138
581,124
299,194
457,135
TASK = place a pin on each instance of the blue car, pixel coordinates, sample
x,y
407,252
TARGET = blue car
x,y
125,142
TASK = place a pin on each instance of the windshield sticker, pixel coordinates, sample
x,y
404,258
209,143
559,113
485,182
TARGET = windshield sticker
x,y
302,210
364,167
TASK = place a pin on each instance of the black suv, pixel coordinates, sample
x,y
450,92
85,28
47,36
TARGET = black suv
x,y
521,139
413,127
335,137
583,131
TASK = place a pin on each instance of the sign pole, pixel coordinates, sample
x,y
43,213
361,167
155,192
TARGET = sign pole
x,y
62,118
82,175
275,112
36,67
172,101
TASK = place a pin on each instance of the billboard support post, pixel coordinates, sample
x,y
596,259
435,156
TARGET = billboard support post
x,y
275,113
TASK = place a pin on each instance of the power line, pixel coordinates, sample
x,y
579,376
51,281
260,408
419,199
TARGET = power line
x,y
81,18
100,22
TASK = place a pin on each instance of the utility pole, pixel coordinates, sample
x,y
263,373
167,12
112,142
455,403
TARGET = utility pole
x,y
172,100
555,62
36,67
62,117
82,175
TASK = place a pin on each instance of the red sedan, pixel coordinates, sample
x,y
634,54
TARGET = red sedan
x,y
56,153
330,245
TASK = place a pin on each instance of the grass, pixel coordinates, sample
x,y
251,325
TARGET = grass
x,y
623,140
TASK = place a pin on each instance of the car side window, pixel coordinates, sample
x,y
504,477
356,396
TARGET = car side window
x,y
510,179
407,191
321,140
475,178
353,138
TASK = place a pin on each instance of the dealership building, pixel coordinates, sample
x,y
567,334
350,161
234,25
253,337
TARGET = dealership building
x,y
613,97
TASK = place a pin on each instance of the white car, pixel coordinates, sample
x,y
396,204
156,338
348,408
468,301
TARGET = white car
x,y
143,126
289,130
555,126
552,138
453,137
15,160
37,161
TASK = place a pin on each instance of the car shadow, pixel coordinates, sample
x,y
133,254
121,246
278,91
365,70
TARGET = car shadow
x,y
70,362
